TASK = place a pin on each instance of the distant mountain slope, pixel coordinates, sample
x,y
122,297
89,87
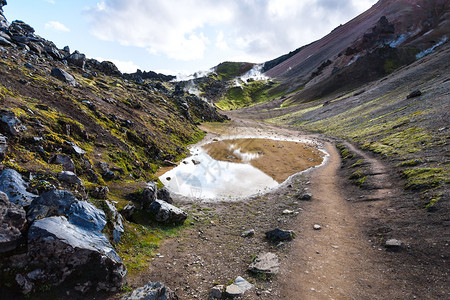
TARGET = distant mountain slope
x,y
385,37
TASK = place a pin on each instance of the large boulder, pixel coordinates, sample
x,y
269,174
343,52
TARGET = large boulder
x,y
9,124
77,59
13,185
12,222
64,76
64,160
69,178
62,252
53,51
151,291
164,212
51,203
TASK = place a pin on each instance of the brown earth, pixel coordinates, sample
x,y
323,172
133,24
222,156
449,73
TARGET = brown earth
x,y
346,259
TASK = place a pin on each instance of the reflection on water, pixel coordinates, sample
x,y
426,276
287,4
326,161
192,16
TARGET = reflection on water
x,y
211,178
230,169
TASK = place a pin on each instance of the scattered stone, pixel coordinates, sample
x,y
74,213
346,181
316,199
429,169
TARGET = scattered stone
x,y
248,233
12,222
65,250
9,124
195,162
266,263
12,184
288,212
414,94
100,192
64,76
238,288
216,292
393,245
78,151
317,227
25,285
169,163
70,178
151,291
305,196
166,213
278,235
128,211
64,160
164,195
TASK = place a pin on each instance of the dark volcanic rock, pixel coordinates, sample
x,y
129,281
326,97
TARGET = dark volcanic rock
x,y
64,160
69,178
9,124
12,184
63,252
278,235
151,291
85,215
149,195
12,222
414,94
51,203
164,195
100,192
64,76
77,59
167,213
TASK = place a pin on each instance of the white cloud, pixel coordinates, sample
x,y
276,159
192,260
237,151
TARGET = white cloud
x,y
124,66
55,25
255,29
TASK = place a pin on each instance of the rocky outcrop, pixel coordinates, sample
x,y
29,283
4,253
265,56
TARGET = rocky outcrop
x,y
164,195
12,223
13,185
164,212
76,59
60,251
152,291
115,220
148,195
3,146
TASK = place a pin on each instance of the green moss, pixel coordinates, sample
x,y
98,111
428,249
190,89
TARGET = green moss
x,y
356,175
426,178
345,153
358,163
410,163
361,181
228,70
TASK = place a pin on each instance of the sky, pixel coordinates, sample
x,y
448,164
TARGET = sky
x,y
183,36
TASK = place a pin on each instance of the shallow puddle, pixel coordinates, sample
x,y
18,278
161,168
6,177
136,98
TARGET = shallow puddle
x,y
235,168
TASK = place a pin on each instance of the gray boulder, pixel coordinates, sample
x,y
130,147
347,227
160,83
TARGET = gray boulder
x,y
266,263
85,215
12,184
116,221
53,51
216,292
61,251
9,124
149,195
167,213
51,203
151,291
100,192
164,195
278,235
70,178
64,76
12,222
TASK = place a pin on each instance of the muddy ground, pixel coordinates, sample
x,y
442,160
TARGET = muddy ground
x,y
346,259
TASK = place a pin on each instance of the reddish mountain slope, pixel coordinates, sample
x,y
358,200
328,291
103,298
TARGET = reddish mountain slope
x,y
390,34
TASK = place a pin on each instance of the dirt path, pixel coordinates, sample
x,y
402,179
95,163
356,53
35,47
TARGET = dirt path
x,y
337,261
